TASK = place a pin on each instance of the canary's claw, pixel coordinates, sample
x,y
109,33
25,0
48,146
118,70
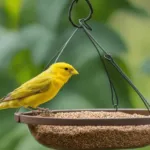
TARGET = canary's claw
x,y
44,110
34,112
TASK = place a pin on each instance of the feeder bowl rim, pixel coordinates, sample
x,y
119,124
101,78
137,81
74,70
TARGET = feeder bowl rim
x,y
28,118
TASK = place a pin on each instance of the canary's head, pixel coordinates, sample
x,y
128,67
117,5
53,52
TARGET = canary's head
x,y
63,69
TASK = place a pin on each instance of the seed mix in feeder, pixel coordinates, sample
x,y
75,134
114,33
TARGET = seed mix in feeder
x,y
91,137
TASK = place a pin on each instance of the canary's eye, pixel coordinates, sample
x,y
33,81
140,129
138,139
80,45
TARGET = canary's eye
x,y
66,68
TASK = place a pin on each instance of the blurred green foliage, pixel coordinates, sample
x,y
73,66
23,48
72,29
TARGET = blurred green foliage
x,y
146,66
31,31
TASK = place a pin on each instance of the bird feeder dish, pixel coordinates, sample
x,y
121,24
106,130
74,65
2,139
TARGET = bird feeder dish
x,y
103,129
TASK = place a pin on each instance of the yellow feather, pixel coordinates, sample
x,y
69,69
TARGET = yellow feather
x,y
40,89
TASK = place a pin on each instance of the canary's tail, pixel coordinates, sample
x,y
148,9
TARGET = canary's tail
x,y
9,104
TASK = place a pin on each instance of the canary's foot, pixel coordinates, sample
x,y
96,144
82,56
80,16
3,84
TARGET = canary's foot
x,y
45,111
34,112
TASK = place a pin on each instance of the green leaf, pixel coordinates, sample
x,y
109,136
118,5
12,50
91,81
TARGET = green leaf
x,y
28,13
35,38
137,10
7,123
22,66
12,9
28,142
38,39
49,12
108,39
2,31
7,83
2,16
146,67
17,133
9,44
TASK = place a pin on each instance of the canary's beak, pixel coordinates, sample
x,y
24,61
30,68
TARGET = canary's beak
x,y
74,72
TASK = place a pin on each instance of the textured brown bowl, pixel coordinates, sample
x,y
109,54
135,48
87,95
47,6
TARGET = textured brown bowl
x,y
89,134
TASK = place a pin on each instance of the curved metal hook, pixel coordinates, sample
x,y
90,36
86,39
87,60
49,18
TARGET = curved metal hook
x,y
85,19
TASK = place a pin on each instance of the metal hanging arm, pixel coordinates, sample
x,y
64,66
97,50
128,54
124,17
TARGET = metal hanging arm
x,y
85,19
112,87
110,59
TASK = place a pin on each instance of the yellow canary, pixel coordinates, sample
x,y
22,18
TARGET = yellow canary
x,y
41,88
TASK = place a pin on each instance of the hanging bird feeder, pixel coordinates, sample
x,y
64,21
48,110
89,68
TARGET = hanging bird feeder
x,y
96,128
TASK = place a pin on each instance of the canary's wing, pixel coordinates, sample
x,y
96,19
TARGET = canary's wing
x,y
32,87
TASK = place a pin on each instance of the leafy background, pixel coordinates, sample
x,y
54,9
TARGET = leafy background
x,y
32,30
